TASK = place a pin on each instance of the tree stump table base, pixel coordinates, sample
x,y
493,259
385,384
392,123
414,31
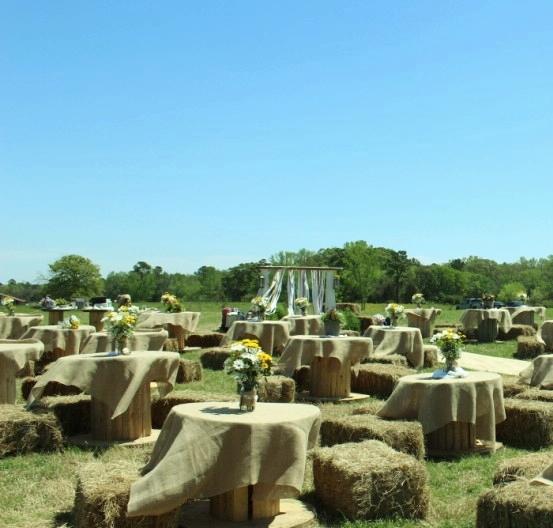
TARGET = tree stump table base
x,y
488,330
95,319
55,317
330,378
353,397
293,514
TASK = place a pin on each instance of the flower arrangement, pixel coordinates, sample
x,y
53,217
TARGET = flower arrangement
x,y
378,319
120,324
394,311
522,296
260,304
449,342
302,302
418,299
60,301
171,303
488,299
73,322
334,315
8,303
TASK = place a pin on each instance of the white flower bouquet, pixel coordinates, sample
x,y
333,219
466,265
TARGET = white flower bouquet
x,y
449,342
73,322
120,324
260,304
247,362
418,299
8,303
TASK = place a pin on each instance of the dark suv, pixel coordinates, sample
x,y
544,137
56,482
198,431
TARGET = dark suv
x,y
476,302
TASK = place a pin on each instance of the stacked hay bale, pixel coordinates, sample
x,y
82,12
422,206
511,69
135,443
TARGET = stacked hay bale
x,y
277,389
528,347
72,412
370,480
536,395
516,331
377,379
512,386
189,370
522,467
23,432
52,389
204,339
391,359
430,356
214,358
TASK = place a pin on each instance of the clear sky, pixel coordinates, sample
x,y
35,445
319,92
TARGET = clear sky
x,y
192,133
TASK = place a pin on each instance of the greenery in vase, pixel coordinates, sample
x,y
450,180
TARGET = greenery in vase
x,y
171,303
247,362
302,302
73,322
449,342
260,304
334,315
8,304
120,324
418,299
60,301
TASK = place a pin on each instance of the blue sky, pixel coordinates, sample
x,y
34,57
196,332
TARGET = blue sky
x,y
192,133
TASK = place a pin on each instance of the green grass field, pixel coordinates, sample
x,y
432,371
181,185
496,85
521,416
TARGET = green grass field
x,y
37,490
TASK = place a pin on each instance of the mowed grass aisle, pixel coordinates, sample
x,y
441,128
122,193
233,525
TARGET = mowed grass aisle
x,y
37,490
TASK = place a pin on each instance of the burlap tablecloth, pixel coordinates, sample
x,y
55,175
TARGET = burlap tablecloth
x,y
140,340
304,324
114,380
471,319
545,334
476,399
15,326
54,336
400,340
514,310
301,350
539,373
430,314
272,335
186,321
206,449
14,354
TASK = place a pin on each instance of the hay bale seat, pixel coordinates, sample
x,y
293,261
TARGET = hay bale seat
x,y
302,377
377,379
536,394
276,389
391,359
516,331
103,488
352,307
72,412
516,505
171,345
403,436
52,389
204,339
512,386
370,480
214,358
430,356
189,370
529,424
22,431
162,407
528,347
522,467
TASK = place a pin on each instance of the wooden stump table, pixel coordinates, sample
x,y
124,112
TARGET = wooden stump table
x,y
14,355
488,330
95,316
330,378
238,505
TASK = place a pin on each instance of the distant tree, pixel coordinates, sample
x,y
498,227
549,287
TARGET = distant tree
x,y
510,291
74,276
241,282
211,287
396,267
362,270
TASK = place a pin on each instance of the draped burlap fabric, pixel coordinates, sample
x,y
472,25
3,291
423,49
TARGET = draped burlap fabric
x,y
539,373
471,319
476,399
545,334
15,326
400,340
65,339
140,340
114,380
304,324
272,335
301,350
206,449
186,321
14,354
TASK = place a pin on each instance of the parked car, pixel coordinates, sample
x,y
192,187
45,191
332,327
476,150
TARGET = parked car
x,y
515,304
498,304
469,302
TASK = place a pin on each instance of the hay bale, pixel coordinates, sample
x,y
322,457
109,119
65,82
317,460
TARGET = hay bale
x,y
528,347
391,359
370,480
403,436
103,488
204,339
302,377
377,379
430,356
352,307
22,431
364,322
214,358
371,407
277,389
162,407
72,412
512,386
53,388
350,333
522,467
536,395
171,345
516,505
516,331
529,424
189,370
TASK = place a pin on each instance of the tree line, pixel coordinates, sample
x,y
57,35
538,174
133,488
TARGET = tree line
x,y
369,274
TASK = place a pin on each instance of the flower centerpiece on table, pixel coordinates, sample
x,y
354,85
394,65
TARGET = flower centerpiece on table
x,y
246,363
259,305
333,320
523,297
395,312
378,319
302,303
449,342
171,303
418,299
8,304
120,326
73,323
488,300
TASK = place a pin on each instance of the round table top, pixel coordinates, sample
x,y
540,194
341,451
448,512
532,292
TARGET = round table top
x,y
111,356
60,309
56,328
472,377
23,345
90,309
399,329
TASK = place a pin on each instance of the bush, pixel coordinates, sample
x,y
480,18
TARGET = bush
x,y
352,321
280,312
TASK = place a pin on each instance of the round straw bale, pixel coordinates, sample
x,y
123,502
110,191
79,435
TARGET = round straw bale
x,y
377,379
391,359
522,467
189,370
512,386
22,431
302,377
403,436
103,488
370,480
516,505
204,340
72,412
528,347
278,389
517,330
214,358
529,424
430,356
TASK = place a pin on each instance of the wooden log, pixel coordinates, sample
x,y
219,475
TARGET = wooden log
x,y
7,388
453,438
55,317
135,422
488,330
238,505
95,319
330,378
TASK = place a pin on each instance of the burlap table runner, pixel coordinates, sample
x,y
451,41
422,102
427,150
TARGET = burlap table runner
x,y
140,340
206,449
545,334
476,399
301,350
114,380
65,339
400,340
539,373
186,321
272,335
304,324
15,354
15,326
471,319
